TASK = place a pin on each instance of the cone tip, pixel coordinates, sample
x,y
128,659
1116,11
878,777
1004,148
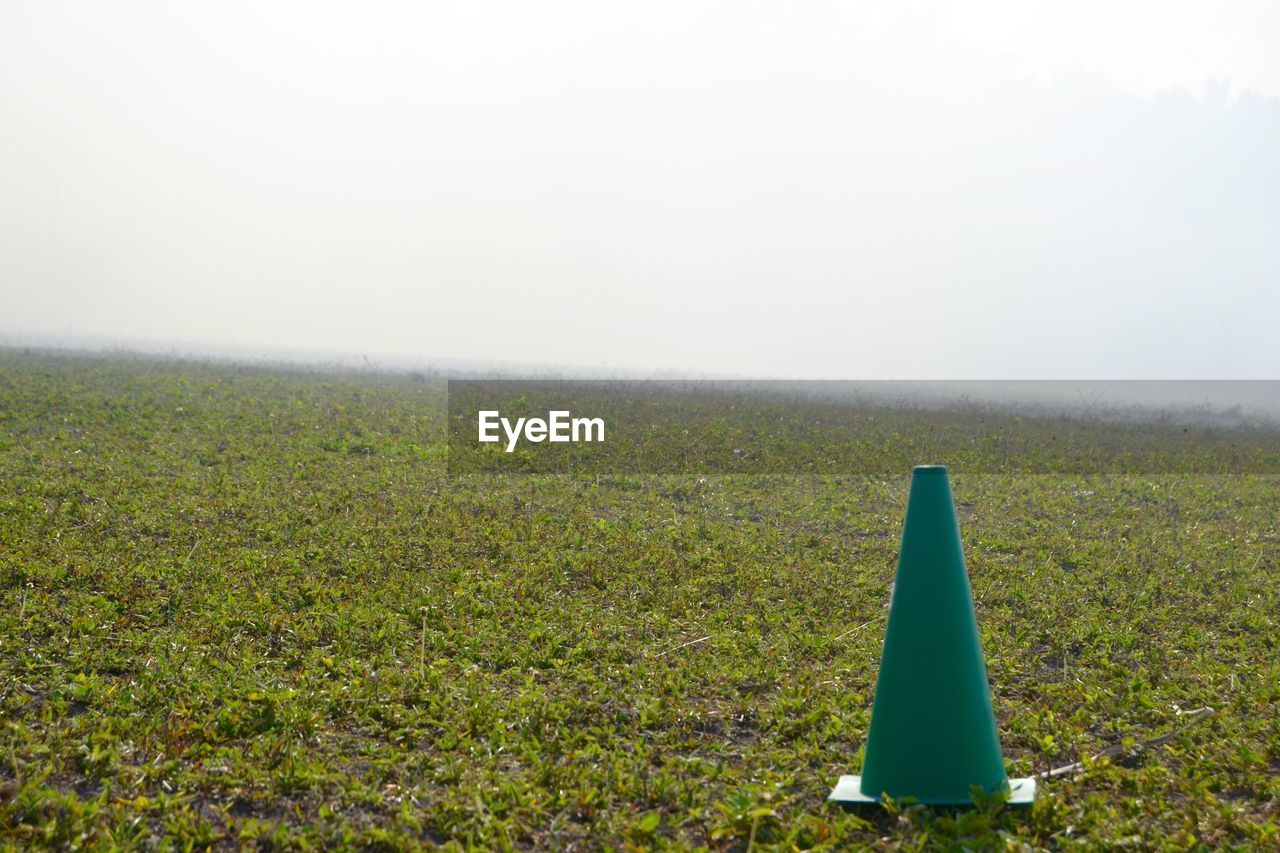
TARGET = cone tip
x,y
929,469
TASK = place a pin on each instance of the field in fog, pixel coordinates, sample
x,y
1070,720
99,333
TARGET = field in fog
x,y
241,605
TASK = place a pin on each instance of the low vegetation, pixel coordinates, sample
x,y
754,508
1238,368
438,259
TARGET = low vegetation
x,y
243,606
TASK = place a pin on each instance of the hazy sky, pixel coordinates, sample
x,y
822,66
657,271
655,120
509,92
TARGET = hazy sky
x,y
820,189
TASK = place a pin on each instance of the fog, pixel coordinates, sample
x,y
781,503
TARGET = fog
x,y
805,190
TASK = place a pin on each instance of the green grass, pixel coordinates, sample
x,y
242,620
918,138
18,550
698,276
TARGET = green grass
x,y
248,607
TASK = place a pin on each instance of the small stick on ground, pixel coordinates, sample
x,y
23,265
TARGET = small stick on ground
x,y
859,627
683,646
1192,717
191,554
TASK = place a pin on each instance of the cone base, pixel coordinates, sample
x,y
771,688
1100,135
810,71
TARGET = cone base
x,y
849,791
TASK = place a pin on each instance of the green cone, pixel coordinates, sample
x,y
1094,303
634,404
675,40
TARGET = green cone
x,y
933,732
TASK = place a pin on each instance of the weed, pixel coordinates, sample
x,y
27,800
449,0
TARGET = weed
x,y
245,606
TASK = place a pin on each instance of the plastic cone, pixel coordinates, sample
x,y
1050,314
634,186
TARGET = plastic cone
x,y
933,731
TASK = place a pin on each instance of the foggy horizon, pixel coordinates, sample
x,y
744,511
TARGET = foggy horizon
x,y
834,190
1200,403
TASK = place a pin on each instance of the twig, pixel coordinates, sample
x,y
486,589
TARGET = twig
x,y
1193,717
683,646
859,627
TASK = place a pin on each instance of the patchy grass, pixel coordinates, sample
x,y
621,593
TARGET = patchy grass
x,y
241,606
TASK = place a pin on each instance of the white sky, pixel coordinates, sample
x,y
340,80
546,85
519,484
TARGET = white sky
x,y
821,189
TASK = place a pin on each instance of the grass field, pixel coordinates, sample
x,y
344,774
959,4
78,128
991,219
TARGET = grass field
x,y
248,607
